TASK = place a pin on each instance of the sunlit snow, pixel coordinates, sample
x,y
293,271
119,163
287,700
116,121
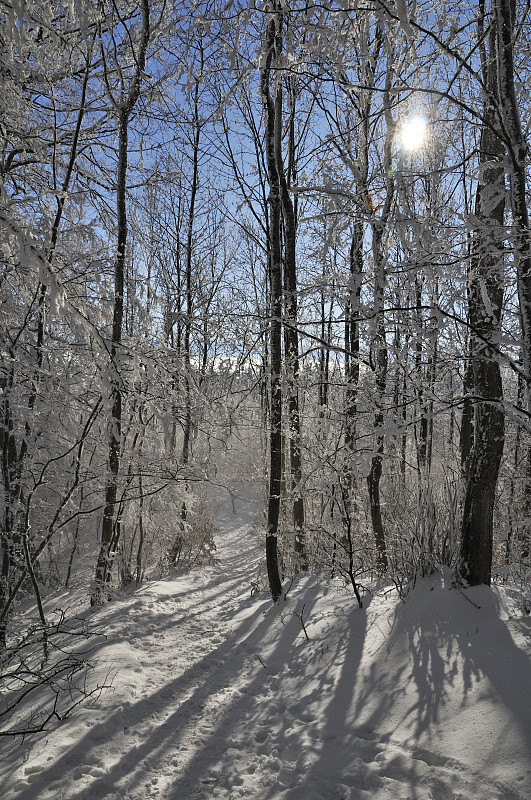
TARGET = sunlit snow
x,y
218,694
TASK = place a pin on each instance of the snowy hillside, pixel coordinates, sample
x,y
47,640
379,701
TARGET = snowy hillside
x,y
218,694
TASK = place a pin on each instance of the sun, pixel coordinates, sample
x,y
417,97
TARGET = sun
x,y
413,133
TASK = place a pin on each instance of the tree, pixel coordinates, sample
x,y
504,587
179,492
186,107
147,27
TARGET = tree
x,y
272,50
291,314
123,100
44,125
485,302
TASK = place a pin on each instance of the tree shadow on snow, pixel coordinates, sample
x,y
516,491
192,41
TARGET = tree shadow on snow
x,y
336,749
184,698
247,723
443,656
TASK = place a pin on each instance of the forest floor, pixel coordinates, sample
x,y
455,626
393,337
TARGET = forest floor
x,y
218,694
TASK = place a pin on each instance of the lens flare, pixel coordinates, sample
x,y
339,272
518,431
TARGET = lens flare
x,y
413,133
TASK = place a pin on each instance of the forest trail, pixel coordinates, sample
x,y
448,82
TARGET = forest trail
x,y
218,694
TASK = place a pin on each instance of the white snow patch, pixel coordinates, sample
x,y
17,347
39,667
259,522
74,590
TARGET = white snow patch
x,y
218,694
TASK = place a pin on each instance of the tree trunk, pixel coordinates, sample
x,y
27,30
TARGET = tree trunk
x,y
380,358
110,532
380,364
272,40
485,308
504,13
291,332
466,437
352,367
324,351
188,423
101,590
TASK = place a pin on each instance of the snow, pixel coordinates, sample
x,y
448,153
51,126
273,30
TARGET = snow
x,y
218,694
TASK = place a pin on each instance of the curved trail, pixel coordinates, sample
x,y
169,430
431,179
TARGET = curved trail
x,y
219,694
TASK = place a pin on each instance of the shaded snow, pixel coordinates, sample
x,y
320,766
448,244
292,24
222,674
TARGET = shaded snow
x,y
218,694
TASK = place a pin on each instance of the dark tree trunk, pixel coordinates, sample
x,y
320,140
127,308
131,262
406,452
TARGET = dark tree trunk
x,y
504,14
101,591
466,437
485,308
380,360
110,532
380,366
272,42
477,531
352,367
367,69
291,314
188,422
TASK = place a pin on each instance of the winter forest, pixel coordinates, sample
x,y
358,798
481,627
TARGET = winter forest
x,y
268,261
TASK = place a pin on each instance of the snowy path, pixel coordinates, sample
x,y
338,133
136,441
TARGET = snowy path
x,y
220,695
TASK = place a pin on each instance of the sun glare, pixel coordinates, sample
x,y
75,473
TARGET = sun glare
x,y
413,133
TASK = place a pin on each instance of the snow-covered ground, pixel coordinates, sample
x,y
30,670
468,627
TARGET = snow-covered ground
x,y
218,694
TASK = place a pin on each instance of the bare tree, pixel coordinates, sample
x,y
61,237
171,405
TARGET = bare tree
x,y
485,301
272,50
123,103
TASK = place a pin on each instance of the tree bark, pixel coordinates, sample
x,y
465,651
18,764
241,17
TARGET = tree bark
x,y
291,332
352,365
485,309
110,532
381,357
188,422
504,14
273,32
